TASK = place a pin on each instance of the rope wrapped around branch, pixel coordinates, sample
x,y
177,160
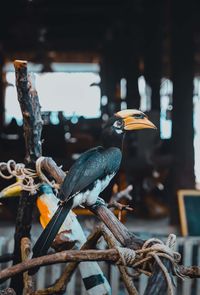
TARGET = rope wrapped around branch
x,y
26,176
142,260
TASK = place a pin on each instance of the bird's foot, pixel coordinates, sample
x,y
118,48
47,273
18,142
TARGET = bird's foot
x,y
100,201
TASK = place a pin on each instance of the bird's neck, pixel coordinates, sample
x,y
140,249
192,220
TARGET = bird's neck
x,y
111,139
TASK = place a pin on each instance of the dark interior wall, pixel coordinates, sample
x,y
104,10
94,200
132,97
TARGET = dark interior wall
x,y
128,38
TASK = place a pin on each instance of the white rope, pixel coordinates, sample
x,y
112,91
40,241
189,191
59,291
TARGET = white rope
x,y
127,256
26,175
19,170
142,260
43,177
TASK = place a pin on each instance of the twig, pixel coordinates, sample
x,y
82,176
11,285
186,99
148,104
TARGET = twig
x,y
125,193
61,283
25,253
128,282
32,124
190,271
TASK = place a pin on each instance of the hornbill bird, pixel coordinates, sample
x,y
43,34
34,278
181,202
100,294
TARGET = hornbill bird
x,y
92,172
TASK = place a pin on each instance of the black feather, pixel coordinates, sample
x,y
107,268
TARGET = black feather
x,y
46,238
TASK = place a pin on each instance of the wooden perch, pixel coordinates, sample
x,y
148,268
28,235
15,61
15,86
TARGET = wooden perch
x,y
128,282
111,255
32,124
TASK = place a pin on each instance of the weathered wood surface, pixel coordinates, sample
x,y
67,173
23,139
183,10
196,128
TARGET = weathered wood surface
x,y
25,253
112,243
32,124
30,107
64,256
7,291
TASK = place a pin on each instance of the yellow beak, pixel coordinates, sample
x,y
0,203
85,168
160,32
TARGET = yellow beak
x,y
131,123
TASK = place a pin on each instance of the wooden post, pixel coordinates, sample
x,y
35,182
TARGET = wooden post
x,y
153,15
2,90
182,175
25,253
32,124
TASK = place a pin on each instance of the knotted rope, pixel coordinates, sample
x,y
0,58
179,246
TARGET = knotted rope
x,y
42,176
25,175
142,260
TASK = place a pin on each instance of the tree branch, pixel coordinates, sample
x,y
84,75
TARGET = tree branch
x,y
112,243
25,253
32,124
111,255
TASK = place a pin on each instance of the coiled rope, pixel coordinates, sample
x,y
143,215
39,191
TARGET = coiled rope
x,y
152,250
26,176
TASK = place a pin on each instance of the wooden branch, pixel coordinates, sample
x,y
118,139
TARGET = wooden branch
x,y
7,291
6,257
51,167
61,283
190,271
120,232
157,284
25,253
111,255
112,243
32,124
30,107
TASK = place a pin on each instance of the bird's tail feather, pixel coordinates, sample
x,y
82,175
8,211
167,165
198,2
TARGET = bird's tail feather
x,y
47,236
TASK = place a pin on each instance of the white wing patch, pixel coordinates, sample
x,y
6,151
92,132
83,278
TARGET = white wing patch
x,y
90,196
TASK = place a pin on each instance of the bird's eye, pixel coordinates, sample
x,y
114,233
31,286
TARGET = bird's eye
x,y
117,124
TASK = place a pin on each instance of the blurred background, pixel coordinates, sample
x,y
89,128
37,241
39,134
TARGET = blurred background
x,y
92,58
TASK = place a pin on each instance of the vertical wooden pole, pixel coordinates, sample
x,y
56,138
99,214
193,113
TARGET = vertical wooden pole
x,y
2,89
182,176
32,124
153,15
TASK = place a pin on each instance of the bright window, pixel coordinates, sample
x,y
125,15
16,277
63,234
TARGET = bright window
x,y
71,88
